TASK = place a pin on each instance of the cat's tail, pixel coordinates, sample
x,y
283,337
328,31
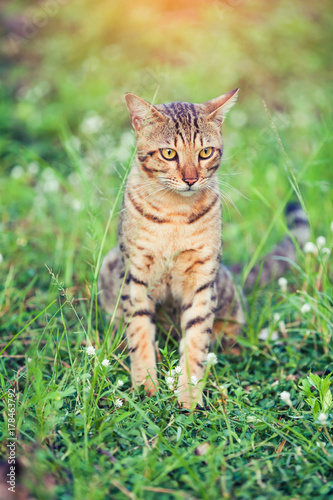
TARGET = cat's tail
x,y
275,264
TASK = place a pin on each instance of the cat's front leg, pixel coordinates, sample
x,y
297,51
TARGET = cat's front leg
x,y
197,323
139,312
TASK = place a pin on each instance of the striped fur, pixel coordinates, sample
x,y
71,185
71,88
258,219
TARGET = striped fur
x,y
170,240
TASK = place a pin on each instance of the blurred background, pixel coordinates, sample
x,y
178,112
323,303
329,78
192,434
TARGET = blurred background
x,y
66,140
65,148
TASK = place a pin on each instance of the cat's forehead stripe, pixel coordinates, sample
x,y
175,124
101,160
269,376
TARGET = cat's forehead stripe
x,y
183,114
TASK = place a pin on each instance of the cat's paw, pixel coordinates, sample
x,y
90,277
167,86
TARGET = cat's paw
x,y
189,396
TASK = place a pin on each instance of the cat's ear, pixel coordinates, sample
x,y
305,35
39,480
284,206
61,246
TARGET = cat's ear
x,y
141,111
217,108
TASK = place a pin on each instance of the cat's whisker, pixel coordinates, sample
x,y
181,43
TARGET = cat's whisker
x,y
227,197
227,174
232,188
229,157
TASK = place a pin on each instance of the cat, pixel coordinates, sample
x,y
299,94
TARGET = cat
x,y
170,241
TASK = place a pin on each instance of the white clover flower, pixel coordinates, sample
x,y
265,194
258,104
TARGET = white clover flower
x,y
1,258
51,186
91,124
264,334
33,168
77,205
105,362
305,308
178,369
325,250
322,417
211,358
285,396
282,282
17,172
74,179
310,247
120,383
194,380
321,241
118,403
90,350
170,381
276,317
48,173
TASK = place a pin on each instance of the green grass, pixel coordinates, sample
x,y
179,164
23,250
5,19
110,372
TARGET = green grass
x,y
60,192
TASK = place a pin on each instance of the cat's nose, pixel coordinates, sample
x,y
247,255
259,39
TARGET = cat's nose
x,y
190,175
190,182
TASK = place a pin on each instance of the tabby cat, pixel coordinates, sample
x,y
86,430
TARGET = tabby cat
x,y
170,240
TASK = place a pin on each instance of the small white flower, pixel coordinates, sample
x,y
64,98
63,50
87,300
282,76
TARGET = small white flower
x,y
320,444
283,284
177,392
322,417
321,241
305,308
325,250
77,205
172,372
211,358
48,173
33,168
90,350
285,396
264,334
120,383
29,360
118,403
105,362
170,381
194,380
17,172
91,124
51,186
74,179
310,247
276,317
178,369
1,258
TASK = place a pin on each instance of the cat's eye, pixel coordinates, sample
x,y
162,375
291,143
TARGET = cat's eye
x,y
168,154
206,153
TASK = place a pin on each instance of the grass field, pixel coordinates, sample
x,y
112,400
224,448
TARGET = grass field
x,y
66,147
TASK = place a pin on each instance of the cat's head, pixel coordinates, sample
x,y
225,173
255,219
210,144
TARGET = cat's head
x,y
179,145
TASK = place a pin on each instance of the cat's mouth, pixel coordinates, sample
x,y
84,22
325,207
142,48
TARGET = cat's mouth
x,y
188,191
184,189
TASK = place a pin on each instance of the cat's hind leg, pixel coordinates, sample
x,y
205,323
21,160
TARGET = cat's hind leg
x,y
109,283
230,309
